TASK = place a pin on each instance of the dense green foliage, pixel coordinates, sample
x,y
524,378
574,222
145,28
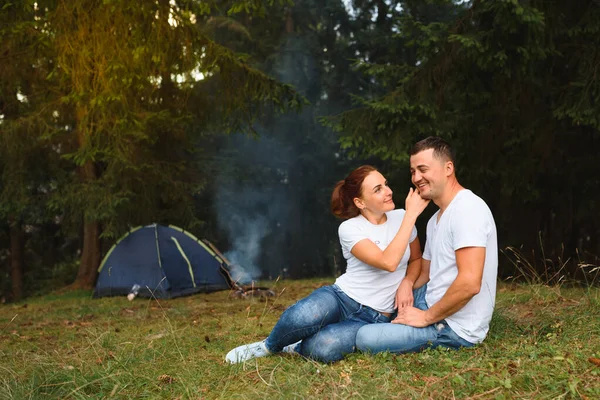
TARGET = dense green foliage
x,y
119,92
235,119
514,86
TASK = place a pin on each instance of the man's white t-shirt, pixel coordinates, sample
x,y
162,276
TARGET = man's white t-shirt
x,y
365,284
467,222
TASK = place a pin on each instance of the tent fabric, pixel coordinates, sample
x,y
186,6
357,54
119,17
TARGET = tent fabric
x,y
165,261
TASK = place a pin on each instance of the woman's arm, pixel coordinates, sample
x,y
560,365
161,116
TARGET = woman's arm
x,y
413,271
404,294
388,259
424,276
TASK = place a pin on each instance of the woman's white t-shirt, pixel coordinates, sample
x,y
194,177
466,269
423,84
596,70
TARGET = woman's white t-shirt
x,y
365,284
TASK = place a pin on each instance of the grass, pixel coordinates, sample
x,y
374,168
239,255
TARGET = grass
x,y
555,270
543,344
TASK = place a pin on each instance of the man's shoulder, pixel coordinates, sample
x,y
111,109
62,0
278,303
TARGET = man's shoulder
x,y
471,211
469,201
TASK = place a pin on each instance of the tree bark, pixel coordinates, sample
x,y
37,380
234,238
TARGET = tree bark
x,y
289,22
91,251
17,245
166,86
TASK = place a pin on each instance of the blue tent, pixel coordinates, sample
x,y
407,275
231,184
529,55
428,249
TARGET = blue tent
x,y
165,261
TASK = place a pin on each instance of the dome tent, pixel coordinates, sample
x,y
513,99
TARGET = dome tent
x,y
165,261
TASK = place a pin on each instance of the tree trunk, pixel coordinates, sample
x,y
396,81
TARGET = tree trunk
x,y
167,88
17,245
289,22
91,252
90,257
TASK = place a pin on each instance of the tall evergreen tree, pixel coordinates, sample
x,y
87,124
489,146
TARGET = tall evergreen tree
x,y
122,85
26,157
129,72
513,85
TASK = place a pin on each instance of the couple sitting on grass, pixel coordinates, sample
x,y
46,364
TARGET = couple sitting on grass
x,y
391,297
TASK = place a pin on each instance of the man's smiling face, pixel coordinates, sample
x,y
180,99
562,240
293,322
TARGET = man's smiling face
x,y
428,174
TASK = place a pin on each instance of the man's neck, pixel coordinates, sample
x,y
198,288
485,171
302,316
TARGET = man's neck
x,y
450,191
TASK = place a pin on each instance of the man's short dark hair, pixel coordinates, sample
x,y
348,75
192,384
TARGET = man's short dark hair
x,y
441,149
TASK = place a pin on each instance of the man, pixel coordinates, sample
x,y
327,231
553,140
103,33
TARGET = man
x,y
455,293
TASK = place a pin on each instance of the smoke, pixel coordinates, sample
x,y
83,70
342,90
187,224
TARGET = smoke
x,y
272,191
253,203
247,235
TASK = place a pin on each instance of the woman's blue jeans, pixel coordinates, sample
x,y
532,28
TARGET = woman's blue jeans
x,y
398,338
326,321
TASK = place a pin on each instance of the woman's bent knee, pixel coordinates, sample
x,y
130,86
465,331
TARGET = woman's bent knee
x,y
327,348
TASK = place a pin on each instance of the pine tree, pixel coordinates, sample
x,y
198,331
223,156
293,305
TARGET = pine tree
x,y
513,85
26,156
128,88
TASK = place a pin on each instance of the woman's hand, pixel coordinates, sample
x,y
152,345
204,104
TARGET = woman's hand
x,y
414,203
404,294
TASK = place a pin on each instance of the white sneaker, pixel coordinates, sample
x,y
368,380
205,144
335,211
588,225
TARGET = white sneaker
x,y
247,352
292,348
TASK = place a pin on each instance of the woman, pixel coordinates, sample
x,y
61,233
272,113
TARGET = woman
x,y
383,254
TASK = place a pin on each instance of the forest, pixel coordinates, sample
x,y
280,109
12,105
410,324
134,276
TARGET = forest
x,y
234,120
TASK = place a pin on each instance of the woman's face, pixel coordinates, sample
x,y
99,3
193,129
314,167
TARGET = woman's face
x,y
376,196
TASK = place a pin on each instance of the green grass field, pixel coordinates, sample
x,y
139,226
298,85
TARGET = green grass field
x,y
544,343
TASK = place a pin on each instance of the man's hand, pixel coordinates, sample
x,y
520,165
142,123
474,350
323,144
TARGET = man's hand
x,y
404,294
412,316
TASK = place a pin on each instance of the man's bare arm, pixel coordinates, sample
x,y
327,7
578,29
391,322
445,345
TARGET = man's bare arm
x,y
470,261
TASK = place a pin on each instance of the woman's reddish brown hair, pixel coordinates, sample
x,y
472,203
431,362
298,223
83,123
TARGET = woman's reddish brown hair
x,y
342,198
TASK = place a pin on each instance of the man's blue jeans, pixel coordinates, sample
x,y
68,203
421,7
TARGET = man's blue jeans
x,y
398,338
326,321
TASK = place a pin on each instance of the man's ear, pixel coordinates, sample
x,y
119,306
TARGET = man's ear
x,y
359,203
449,168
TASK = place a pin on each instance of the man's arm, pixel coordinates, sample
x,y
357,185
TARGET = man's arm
x,y
470,261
